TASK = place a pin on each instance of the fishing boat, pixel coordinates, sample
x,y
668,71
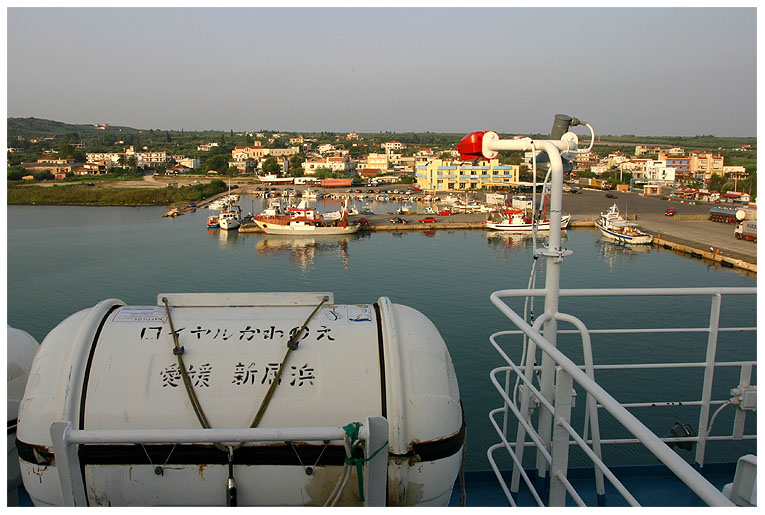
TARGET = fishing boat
x,y
612,225
212,222
358,403
230,218
516,220
304,220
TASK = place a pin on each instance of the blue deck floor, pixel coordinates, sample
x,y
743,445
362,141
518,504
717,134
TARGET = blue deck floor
x,y
651,485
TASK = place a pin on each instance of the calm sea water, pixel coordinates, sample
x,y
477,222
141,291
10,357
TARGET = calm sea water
x,y
63,259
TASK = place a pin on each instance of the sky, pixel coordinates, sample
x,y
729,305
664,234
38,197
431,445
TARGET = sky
x,y
681,71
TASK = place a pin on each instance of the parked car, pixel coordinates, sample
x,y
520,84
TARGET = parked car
x,y
670,211
576,191
610,195
428,220
445,212
397,220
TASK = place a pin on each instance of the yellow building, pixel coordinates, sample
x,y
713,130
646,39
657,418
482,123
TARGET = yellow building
x,y
442,175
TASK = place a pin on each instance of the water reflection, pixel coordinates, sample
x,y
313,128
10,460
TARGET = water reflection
x,y
303,250
516,240
612,251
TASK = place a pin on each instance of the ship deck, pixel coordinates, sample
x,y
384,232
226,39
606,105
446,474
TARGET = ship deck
x,y
652,485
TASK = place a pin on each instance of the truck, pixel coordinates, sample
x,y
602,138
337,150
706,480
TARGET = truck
x,y
600,184
746,230
726,214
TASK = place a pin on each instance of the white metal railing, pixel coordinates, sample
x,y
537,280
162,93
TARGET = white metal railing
x,y
552,444
374,432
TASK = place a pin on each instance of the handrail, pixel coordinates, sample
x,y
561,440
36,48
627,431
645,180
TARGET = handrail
x,y
675,463
374,431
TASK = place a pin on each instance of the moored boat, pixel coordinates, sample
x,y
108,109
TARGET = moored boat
x,y
307,220
515,220
212,222
230,218
612,225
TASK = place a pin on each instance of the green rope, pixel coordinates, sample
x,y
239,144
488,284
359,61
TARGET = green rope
x,y
352,430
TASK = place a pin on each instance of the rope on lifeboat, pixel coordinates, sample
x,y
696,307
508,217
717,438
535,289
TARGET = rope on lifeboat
x,y
178,351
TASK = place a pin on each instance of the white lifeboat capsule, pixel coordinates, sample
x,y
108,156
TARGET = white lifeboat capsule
x,y
21,348
112,367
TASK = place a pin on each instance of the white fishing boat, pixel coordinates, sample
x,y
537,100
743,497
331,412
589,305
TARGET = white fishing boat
x,y
612,225
312,194
307,220
515,220
230,218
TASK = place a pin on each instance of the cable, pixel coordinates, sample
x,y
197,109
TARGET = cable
x,y
712,420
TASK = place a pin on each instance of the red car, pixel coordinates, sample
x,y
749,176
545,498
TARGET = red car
x,y
670,211
446,212
428,220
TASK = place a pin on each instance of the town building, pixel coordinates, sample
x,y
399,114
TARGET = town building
x,y
335,164
188,162
55,160
657,171
97,168
282,152
704,164
441,175
390,146
148,159
376,161
245,152
206,147
95,157
681,164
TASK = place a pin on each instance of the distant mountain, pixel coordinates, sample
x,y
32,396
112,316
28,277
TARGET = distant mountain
x,y
38,127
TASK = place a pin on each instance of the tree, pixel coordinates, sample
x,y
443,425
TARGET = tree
x,y
296,165
66,152
271,166
718,183
323,173
44,176
15,173
216,162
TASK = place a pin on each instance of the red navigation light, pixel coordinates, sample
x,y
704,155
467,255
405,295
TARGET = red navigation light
x,y
471,146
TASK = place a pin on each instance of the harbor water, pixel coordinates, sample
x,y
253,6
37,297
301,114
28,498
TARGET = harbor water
x,y
64,259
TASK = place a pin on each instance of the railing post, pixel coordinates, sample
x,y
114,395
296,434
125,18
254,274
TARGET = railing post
x,y
709,372
376,479
744,379
520,433
560,438
67,465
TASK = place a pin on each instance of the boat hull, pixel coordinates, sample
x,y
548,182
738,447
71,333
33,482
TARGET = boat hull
x,y
303,229
641,239
228,225
526,228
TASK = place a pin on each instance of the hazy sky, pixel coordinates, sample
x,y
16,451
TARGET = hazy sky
x,y
642,71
